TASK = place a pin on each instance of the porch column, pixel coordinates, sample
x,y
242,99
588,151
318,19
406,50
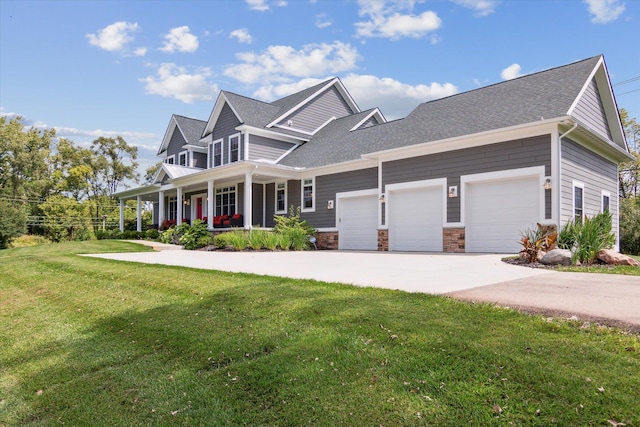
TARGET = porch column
x,y
210,197
121,215
160,208
139,213
248,206
180,207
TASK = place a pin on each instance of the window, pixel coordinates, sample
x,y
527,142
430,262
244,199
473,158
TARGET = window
x,y
234,148
307,195
170,160
226,200
606,197
172,213
183,158
215,153
281,197
578,201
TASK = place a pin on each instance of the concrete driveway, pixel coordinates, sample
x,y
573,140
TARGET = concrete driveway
x,y
610,299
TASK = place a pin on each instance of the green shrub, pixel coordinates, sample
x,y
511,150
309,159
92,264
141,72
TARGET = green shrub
x,y
131,235
270,241
293,231
284,241
151,234
256,239
167,236
29,240
220,240
194,236
630,226
13,223
586,238
83,233
533,241
238,240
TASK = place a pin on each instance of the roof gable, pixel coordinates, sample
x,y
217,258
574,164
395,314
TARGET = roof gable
x,y
190,130
296,102
595,107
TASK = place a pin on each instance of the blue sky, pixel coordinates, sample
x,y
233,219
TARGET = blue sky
x,y
106,68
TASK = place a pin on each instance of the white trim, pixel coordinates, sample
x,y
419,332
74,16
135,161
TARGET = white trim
x,y
271,134
504,175
327,229
375,112
291,128
275,206
318,129
245,150
414,185
576,184
285,154
527,130
603,194
313,194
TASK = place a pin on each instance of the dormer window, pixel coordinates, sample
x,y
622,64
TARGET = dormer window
x,y
170,160
183,158
215,153
234,148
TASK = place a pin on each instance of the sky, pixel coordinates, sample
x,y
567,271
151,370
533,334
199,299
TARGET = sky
x,y
92,68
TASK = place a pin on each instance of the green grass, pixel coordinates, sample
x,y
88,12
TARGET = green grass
x,y
87,342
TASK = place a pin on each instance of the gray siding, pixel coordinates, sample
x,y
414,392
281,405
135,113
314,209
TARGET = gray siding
x,y
257,205
225,127
199,160
270,190
326,188
590,110
596,173
535,151
315,113
175,144
266,148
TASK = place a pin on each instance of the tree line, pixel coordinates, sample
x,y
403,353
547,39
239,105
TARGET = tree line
x,y
57,188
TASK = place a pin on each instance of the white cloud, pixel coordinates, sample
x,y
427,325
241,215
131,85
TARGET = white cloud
x,y
242,35
280,63
181,40
114,37
387,21
141,51
604,11
262,5
172,81
323,21
482,7
395,99
511,72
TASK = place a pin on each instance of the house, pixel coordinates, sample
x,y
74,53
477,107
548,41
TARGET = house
x,y
466,173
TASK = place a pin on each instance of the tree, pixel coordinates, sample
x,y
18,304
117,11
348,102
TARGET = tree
x,y
72,169
112,164
630,171
65,218
151,172
12,222
24,160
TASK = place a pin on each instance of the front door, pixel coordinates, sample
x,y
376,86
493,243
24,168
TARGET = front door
x,y
199,202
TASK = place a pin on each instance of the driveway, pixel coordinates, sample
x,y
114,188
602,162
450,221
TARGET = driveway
x,y
611,299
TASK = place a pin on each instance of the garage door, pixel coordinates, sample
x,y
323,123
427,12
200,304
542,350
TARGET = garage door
x,y
415,219
358,223
497,212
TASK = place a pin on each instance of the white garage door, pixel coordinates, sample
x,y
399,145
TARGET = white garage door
x,y
415,219
497,213
358,223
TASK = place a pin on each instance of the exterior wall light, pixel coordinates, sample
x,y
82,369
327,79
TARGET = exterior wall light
x,y
381,199
453,191
547,184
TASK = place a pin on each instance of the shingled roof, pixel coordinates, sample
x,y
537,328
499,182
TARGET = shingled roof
x,y
534,97
191,128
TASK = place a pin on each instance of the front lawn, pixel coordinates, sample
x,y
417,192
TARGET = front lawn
x,y
86,341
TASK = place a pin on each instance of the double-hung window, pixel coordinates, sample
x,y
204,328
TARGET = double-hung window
x,y
183,158
226,200
308,196
170,160
215,153
172,213
578,201
234,148
281,197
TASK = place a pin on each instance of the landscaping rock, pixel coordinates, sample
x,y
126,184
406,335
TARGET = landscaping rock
x,y
614,258
557,257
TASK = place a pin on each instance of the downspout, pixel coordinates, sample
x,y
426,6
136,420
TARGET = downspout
x,y
575,125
